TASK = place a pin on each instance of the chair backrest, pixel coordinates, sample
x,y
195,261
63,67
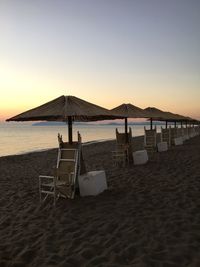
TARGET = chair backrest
x,y
166,135
186,131
67,153
60,141
173,134
150,137
179,132
63,144
74,145
124,143
79,138
121,138
70,164
67,164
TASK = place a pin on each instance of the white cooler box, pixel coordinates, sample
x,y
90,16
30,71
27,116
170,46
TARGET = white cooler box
x,y
140,157
178,141
92,183
162,146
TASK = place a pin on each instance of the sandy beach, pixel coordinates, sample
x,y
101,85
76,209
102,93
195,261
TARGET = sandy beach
x,y
149,216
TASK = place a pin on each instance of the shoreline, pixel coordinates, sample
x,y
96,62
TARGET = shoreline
x,y
47,149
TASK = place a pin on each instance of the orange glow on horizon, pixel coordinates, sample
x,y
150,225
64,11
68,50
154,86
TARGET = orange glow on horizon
x,y
26,89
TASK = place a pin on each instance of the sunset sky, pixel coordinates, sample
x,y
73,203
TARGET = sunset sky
x,y
144,52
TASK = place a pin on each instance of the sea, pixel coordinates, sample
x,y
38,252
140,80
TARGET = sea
x,y
25,137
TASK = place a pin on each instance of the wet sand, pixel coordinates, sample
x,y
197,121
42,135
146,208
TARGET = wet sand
x,y
149,216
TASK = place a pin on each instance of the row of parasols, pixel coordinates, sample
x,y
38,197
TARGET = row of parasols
x,y
71,108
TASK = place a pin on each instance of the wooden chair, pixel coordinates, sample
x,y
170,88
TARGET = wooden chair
x,y
173,135
123,152
119,157
166,135
64,181
179,132
150,140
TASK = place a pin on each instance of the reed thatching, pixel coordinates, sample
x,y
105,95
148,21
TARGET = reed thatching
x,y
68,109
129,111
155,113
63,108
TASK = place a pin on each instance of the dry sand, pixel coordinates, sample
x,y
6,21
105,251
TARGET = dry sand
x,y
150,216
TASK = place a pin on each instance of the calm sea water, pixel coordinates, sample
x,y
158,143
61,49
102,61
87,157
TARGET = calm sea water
x,y
22,137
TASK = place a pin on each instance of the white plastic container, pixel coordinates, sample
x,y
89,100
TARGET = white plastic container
x,y
140,157
162,146
92,183
178,141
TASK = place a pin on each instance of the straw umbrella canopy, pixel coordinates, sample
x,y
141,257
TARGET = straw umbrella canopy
x,y
167,116
67,109
155,114
129,111
172,117
194,122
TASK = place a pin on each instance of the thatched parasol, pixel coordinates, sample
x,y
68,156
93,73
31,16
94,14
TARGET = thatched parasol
x,y
129,111
155,114
67,109
172,117
159,115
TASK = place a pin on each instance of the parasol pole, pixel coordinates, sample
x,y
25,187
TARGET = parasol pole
x,y
126,129
70,129
151,121
166,124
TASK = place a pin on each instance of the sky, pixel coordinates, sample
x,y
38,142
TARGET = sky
x,y
108,52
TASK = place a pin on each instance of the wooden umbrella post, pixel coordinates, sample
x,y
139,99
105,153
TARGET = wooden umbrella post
x,y
126,129
166,124
151,124
70,129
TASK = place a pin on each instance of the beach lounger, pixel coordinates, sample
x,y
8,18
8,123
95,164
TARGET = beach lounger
x,y
150,140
